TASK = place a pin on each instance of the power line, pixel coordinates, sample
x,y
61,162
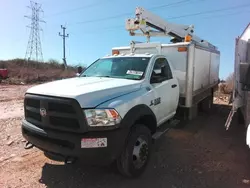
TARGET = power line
x,y
167,5
34,47
214,16
228,14
129,13
78,8
209,11
172,4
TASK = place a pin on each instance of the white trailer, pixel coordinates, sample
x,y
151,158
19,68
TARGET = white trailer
x,y
241,91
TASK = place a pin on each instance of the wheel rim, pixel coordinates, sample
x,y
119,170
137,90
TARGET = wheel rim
x,y
140,152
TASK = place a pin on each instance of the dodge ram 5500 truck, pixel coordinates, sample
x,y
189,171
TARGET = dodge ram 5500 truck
x,y
120,103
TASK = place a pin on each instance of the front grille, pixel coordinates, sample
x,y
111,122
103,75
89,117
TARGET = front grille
x,y
70,123
60,113
33,115
64,108
33,103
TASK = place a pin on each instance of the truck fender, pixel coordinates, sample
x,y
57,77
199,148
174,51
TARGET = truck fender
x,y
141,114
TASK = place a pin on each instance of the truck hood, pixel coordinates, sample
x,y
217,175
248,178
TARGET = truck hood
x,y
88,91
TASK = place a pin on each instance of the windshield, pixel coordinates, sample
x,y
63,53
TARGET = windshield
x,y
118,67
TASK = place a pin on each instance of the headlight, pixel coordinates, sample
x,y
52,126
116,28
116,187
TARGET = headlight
x,y
102,117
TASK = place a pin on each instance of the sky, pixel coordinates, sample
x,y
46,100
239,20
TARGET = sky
x,y
95,26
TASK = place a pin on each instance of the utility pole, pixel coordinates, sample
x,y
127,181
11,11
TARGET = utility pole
x,y
63,37
34,47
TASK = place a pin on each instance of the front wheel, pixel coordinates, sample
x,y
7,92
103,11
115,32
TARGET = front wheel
x,y
136,153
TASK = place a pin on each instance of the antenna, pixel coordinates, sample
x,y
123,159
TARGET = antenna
x,y
34,47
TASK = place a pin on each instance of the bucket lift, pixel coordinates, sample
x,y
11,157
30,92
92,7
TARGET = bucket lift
x,y
152,25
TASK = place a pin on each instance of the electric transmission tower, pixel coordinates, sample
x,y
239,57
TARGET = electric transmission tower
x,y
34,47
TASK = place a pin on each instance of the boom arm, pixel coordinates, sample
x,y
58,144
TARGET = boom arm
x,y
146,21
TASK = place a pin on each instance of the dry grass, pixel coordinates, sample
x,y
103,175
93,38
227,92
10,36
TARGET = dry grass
x,y
21,71
227,86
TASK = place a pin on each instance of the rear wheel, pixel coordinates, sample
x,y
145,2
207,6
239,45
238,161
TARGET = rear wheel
x,y
136,153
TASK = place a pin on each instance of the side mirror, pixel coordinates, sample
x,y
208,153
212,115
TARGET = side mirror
x,y
244,71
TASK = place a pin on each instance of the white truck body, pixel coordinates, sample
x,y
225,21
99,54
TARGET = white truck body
x,y
196,68
242,55
241,90
240,97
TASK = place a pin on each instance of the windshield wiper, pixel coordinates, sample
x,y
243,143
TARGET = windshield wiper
x,y
94,76
105,76
133,78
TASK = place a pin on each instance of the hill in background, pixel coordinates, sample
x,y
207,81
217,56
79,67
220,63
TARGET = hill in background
x,y
23,72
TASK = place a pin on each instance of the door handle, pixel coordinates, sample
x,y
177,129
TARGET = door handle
x,y
174,85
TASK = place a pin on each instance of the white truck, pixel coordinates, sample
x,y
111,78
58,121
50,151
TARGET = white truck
x,y
115,109
241,90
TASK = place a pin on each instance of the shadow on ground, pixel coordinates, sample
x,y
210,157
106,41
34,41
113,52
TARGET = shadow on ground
x,y
200,155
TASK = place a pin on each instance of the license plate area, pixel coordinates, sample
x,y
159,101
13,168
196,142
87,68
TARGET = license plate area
x,y
94,142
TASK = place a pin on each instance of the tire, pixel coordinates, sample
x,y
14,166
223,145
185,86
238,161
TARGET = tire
x,y
136,153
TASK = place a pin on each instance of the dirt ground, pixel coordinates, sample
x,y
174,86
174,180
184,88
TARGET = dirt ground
x,y
200,155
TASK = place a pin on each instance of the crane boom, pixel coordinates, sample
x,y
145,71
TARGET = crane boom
x,y
152,25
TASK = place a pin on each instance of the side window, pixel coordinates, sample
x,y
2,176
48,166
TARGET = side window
x,y
166,74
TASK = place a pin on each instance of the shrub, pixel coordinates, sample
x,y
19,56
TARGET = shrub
x,y
36,72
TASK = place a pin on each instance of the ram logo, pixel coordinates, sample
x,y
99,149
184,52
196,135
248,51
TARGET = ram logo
x,y
43,112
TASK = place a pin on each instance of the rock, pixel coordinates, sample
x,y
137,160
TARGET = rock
x,y
1,159
10,142
12,155
245,181
17,159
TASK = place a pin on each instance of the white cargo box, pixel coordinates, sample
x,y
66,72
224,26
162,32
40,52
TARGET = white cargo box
x,y
195,66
